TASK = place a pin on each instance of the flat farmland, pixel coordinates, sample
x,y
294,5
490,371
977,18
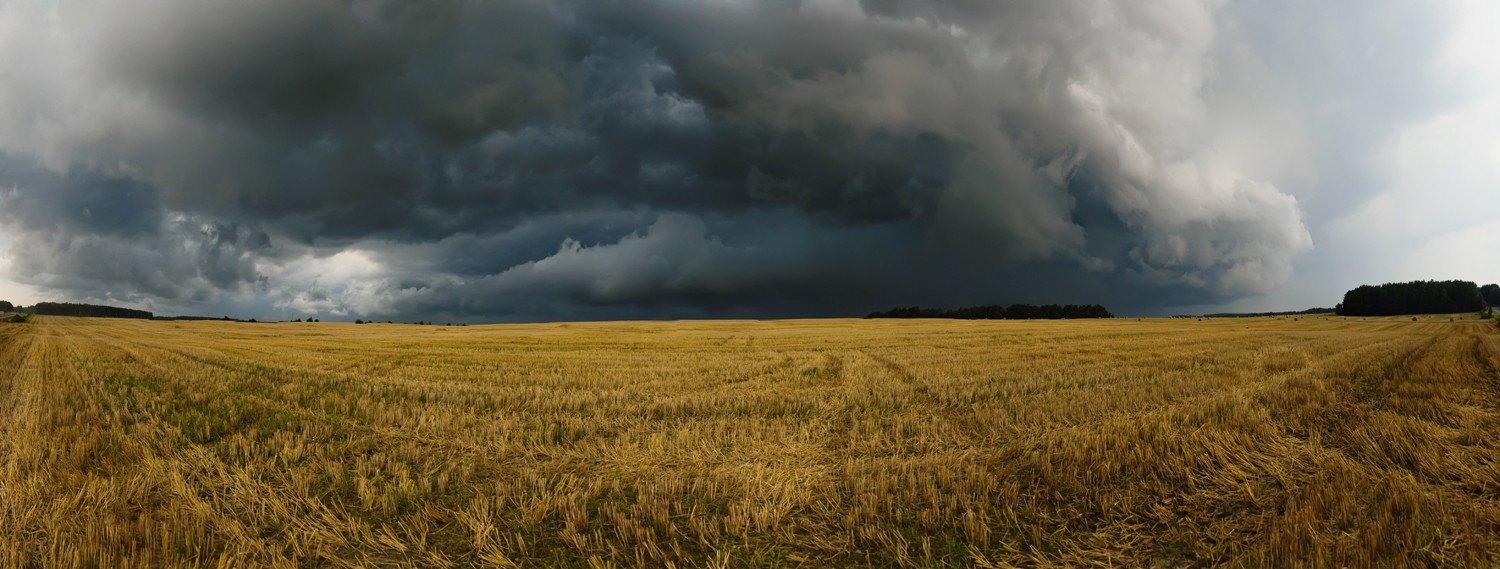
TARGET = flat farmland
x,y
901,443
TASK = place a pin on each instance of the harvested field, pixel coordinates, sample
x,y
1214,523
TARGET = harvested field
x,y
1318,441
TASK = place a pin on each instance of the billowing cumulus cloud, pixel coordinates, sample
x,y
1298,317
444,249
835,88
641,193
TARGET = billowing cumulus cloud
x,y
526,159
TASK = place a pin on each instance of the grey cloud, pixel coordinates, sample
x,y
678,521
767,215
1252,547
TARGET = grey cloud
x,y
1028,95
1349,74
95,237
185,261
532,159
674,255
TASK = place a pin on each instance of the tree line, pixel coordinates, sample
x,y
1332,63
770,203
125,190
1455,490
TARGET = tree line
x,y
1000,312
93,310
1416,297
1308,312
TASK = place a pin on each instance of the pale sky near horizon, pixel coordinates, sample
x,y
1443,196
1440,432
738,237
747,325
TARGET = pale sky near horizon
x,y
556,160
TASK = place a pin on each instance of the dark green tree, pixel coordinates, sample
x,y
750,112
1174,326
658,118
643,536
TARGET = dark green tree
x,y
1416,297
1491,294
91,310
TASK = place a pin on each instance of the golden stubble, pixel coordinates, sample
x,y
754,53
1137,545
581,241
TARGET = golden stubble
x,y
1269,442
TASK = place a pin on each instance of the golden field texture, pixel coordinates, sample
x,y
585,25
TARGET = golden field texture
x,y
1318,442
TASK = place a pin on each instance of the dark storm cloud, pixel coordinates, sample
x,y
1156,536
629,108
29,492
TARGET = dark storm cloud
x,y
98,237
529,159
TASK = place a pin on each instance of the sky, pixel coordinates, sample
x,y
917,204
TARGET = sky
x,y
534,160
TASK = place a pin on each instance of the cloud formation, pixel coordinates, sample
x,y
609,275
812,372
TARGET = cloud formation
x,y
526,159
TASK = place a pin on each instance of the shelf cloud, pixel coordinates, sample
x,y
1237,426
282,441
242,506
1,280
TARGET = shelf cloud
x,y
531,160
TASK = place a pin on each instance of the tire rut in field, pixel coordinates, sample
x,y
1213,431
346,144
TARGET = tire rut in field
x,y
1364,389
837,441
1367,388
963,423
834,366
1484,359
1375,391
907,377
786,362
833,376
14,349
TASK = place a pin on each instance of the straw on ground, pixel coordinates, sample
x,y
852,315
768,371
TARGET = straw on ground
x,y
1260,442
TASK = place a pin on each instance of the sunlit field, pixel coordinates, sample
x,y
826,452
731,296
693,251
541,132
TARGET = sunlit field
x,y
1317,441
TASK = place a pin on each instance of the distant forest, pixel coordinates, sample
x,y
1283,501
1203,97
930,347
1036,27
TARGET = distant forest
x,y
1416,297
70,309
998,312
1307,312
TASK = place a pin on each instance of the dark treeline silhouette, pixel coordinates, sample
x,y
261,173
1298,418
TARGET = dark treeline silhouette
x,y
70,309
1416,297
998,312
1307,312
96,311
1491,294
